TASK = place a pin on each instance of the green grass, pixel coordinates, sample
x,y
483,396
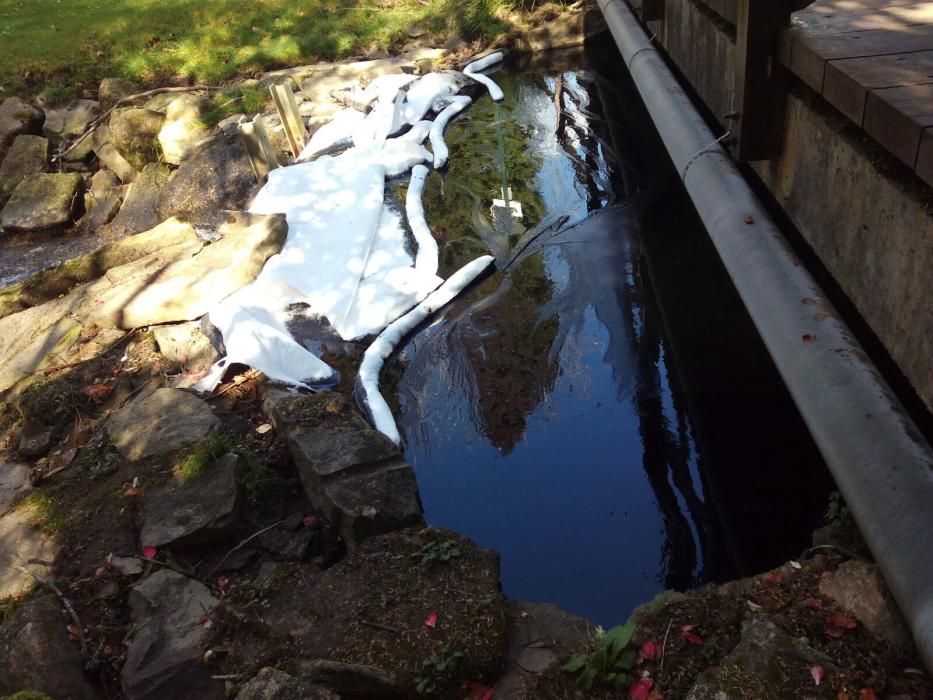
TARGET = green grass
x,y
59,46
44,513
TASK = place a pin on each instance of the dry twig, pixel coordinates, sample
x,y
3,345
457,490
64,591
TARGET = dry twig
x,y
244,543
126,100
664,643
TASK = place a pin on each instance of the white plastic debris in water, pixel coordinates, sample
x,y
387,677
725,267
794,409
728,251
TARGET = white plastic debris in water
x,y
473,71
457,105
346,256
383,346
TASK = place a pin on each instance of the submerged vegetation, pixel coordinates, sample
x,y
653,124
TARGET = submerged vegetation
x,y
56,48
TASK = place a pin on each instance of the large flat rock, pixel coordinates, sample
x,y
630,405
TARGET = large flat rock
x,y
188,288
27,156
163,421
61,279
540,637
36,654
14,483
352,473
183,128
196,512
23,545
68,122
17,117
139,210
134,132
179,282
364,506
42,202
169,638
101,201
218,177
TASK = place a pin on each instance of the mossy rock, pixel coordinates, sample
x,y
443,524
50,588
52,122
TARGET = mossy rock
x,y
134,132
42,202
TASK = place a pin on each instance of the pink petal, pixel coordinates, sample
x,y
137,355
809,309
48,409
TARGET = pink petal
x,y
487,695
640,689
431,620
150,552
222,582
649,650
817,673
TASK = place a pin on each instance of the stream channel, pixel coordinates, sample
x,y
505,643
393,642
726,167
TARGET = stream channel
x,y
600,411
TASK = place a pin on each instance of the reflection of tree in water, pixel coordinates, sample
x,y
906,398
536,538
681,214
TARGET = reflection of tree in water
x,y
504,353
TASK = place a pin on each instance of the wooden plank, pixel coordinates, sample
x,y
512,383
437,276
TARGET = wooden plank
x,y
294,126
890,17
848,81
925,157
760,81
258,147
807,56
896,117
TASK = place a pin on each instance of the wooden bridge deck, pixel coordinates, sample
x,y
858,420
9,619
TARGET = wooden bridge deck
x,y
873,61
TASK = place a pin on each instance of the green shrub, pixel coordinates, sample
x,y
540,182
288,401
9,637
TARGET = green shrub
x,y
609,661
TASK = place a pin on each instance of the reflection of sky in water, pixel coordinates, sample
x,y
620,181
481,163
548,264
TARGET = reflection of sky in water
x,y
544,413
569,506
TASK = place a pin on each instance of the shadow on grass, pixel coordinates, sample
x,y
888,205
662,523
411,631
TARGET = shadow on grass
x,y
62,46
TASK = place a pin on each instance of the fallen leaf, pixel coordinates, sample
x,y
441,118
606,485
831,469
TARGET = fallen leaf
x,y
807,338
431,621
264,428
649,651
131,491
150,552
843,695
96,392
478,691
837,624
795,564
772,577
73,632
687,633
817,673
640,689
867,694
655,695
754,607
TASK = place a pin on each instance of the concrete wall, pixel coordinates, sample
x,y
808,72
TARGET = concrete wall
x,y
868,221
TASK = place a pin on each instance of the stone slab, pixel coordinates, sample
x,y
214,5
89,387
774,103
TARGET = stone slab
x,y
46,201
165,420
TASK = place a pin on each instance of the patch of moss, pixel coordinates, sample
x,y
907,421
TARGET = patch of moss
x,y
213,448
245,99
26,695
44,513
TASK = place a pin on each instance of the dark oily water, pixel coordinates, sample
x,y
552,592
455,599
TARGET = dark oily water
x,y
600,410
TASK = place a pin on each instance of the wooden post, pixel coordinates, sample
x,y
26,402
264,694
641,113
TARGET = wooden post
x,y
258,147
760,80
287,108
